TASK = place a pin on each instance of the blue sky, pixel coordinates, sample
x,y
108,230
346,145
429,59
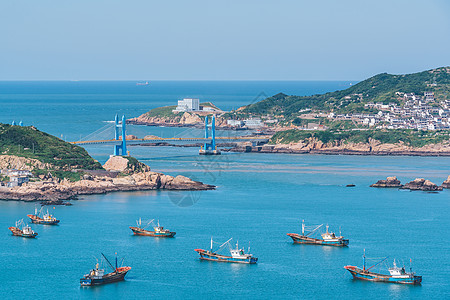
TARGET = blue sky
x,y
220,40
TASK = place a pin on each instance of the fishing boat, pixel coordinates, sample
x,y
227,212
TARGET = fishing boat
x,y
158,231
396,274
41,218
236,255
328,238
97,276
23,230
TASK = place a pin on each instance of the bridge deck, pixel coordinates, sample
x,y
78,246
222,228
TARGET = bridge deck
x,y
173,140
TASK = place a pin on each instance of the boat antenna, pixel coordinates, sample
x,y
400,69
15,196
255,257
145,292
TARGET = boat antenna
x,y
340,233
248,247
303,227
211,243
110,264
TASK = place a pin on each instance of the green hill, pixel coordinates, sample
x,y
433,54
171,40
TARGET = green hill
x,y
31,143
379,88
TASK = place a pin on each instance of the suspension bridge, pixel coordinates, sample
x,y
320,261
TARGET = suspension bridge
x,y
120,141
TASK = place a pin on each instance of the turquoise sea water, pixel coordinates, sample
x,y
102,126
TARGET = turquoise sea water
x,y
259,198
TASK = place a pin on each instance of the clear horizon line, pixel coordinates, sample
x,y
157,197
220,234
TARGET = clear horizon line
x,y
150,80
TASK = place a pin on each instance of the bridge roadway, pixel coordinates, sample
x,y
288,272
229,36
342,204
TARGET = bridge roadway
x,y
175,141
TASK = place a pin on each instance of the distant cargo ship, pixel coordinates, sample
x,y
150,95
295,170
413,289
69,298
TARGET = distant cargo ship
x,y
397,275
41,218
142,83
158,231
23,230
236,255
328,238
97,276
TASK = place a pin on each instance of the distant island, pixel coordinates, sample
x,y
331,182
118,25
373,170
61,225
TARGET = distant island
x,y
36,166
383,115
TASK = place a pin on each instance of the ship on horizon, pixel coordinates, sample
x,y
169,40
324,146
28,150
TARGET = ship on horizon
x,y
142,83
327,239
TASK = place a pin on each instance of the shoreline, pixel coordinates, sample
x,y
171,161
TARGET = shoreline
x,y
263,149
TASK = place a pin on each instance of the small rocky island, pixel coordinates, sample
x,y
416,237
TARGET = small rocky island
x,y
418,184
36,166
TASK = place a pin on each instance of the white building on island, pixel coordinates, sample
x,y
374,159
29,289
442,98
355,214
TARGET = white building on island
x,y
188,104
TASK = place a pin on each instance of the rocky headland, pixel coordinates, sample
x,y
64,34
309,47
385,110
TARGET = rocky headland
x,y
119,174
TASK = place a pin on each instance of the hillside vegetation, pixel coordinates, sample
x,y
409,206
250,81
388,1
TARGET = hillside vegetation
x,y
31,143
379,88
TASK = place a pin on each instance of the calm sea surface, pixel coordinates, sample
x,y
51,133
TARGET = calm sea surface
x,y
260,198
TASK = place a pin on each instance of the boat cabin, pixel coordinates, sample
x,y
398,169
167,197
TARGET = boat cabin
x,y
396,271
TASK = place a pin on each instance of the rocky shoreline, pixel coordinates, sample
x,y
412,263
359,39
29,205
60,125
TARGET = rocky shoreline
x,y
373,147
100,182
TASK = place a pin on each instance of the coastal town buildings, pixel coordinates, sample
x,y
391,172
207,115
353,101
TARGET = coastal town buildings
x,y
420,112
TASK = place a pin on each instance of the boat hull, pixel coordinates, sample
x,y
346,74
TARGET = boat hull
x,y
38,220
300,239
115,276
17,232
143,232
206,255
360,274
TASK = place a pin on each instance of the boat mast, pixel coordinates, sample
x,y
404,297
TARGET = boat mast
x,y
364,260
211,244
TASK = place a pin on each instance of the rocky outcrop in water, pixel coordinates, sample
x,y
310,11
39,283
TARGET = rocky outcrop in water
x,y
390,182
420,184
446,183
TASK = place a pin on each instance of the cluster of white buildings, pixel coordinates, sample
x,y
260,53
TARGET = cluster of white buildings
x,y
16,177
418,112
249,123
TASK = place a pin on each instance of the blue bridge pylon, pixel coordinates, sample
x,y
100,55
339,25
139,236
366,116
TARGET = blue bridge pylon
x,y
210,148
122,148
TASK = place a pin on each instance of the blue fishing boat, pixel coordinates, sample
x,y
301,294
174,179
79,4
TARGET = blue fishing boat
x,y
158,231
396,274
328,238
236,255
